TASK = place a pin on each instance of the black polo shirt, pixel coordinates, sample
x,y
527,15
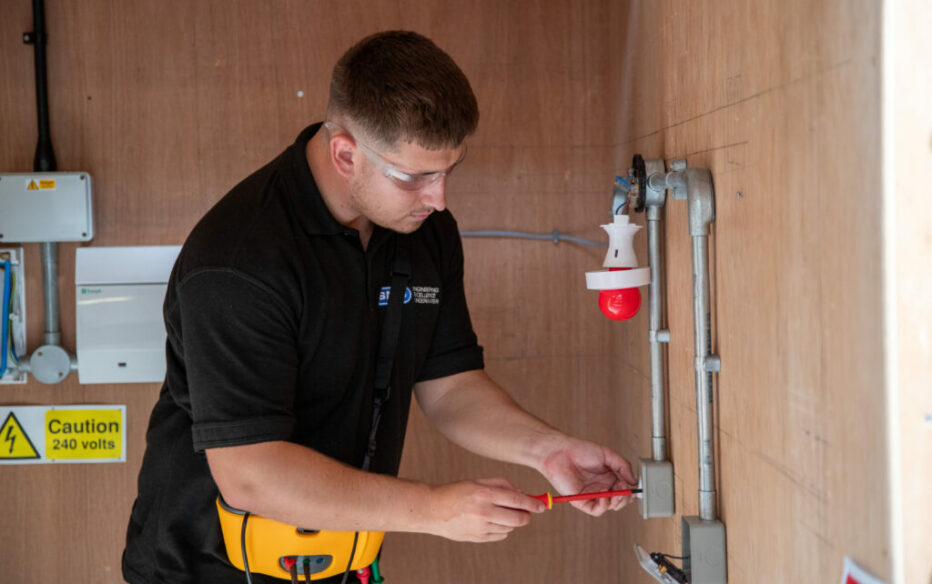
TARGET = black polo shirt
x,y
273,313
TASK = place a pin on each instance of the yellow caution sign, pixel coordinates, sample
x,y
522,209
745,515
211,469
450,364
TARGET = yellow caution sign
x,y
64,434
81,434
32,186
14,442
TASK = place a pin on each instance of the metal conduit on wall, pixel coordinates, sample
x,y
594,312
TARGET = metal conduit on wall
x,y
703,536
50,363
656,472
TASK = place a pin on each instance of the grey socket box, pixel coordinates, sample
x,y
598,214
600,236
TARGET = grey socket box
x,y
704,550
657,482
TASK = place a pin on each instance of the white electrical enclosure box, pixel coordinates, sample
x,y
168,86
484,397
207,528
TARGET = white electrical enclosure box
x,y
46,206
120,331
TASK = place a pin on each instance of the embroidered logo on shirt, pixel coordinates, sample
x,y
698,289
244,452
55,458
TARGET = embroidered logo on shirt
x,y
386,291
426,295
420,295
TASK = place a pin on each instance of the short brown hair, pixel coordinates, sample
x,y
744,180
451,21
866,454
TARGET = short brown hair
x,y
399,85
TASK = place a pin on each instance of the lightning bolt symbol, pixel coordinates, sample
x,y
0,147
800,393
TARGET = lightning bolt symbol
x,y
10,439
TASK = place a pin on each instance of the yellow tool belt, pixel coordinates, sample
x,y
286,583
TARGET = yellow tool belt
x,y
270,543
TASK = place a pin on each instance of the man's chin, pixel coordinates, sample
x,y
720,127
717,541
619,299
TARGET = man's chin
x,y
408,225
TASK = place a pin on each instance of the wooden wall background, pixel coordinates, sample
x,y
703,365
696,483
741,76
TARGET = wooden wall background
x,y
168,104
781,100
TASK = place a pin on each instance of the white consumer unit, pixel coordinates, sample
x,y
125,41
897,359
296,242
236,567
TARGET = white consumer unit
x,y
120,331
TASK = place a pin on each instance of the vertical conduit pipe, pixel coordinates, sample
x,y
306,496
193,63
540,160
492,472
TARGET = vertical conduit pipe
x,y
50,363
49,252
695,185
657,335
44,161
703,342
655,297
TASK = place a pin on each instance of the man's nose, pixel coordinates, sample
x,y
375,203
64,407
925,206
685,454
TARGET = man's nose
x,y
434,196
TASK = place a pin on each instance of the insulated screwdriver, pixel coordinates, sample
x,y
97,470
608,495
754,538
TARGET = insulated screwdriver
x,y
548,499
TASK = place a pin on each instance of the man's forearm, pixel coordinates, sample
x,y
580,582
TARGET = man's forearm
x,y
299,486
476,413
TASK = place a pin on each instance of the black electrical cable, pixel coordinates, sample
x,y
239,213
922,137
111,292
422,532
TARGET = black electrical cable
x,y
349,565
294,573
44,159
307,570
669,568
242,547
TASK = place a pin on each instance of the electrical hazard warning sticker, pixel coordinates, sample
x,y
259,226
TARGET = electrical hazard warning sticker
x,y
14,443
40,184
50,434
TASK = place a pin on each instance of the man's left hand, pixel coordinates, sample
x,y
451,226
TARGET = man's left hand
x,y
579,466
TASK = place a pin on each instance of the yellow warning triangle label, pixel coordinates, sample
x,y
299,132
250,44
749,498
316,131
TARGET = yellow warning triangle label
x,y
32,186
14,443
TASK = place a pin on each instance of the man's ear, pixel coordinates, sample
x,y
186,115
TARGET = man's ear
x,y
342,150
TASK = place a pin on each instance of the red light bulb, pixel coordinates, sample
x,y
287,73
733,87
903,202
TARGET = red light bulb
x,y
621,304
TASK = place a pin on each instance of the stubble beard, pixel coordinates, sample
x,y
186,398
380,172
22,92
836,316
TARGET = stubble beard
x,y
374,213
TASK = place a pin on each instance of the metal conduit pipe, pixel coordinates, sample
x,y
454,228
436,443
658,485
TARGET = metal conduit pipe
x,y
657,335
44,161
655,472
50,363
655,296
49,252
695,185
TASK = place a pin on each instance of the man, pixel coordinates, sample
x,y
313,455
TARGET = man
x,y
274,314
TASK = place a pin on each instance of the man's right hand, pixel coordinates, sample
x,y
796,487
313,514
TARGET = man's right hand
x,y
479,511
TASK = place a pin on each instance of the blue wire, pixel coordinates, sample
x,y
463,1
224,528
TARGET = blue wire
x,y
7,270
13,354
555,236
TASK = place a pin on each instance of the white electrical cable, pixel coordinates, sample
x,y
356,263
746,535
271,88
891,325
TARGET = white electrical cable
x,y
554,236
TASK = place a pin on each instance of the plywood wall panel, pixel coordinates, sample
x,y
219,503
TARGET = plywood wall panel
x,y
781,102
169,104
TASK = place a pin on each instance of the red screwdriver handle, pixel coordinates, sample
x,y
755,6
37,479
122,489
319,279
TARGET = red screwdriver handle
x,y
548,500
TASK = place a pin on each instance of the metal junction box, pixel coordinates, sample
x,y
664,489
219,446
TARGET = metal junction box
x,y
657,482
704,550
46,206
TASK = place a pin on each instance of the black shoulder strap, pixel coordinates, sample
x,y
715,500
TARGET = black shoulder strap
x,y
391,326
388,343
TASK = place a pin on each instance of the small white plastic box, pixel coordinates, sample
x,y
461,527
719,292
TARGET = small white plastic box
x,y
119,295
46,206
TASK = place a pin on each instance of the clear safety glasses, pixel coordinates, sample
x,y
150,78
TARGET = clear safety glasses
x,y
402,179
